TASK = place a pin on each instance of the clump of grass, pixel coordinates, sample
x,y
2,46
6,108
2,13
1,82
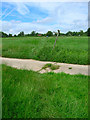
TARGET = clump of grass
x,y
70,67
51,66
54,67
47,65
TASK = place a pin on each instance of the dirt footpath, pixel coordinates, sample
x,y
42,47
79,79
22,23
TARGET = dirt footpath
x,y
36,65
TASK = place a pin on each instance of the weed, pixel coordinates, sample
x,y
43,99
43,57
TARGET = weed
x,y
54,67
51,66
70,67
47,66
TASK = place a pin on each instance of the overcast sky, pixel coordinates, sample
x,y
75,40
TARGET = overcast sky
x,y
42,16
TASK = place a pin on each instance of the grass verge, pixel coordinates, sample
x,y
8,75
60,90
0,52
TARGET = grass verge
x,y
28,94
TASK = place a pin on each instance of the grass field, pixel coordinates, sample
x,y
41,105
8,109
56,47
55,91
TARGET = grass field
x,y
67,50
28,94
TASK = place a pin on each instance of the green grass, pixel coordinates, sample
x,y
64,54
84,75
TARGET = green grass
x,y
70,67
28,94
67,50
51,66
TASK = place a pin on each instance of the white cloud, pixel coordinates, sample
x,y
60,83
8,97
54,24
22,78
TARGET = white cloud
x,y
15,27
63,12
63,16
22,8
45,20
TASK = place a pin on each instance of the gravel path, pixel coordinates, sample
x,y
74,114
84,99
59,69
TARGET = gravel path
x,y
35,65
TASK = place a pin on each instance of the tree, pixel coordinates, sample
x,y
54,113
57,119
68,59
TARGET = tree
x,y
81,32
74,33
69,33
2,34
49,33
36,34
33,33
15,36
88,31
10,35
27,34
77,33
21,34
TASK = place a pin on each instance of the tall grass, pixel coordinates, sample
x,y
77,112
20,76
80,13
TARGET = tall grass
x,y
28,94
67,50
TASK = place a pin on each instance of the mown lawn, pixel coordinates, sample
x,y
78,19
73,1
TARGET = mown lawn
x,y
67,50
28,94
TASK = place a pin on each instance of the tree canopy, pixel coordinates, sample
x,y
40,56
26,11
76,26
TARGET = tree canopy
x,y
88,31
49,33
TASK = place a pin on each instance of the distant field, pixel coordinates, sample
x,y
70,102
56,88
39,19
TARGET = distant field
x,y
67,50
28,94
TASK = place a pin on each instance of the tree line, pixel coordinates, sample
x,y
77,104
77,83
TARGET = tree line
x,y
49,33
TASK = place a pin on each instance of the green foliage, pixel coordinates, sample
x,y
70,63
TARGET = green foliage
x,y
28,94
81,33
10,35
15,36
54,67
69,33
2,34
21,34
33,33
88,31
70,67
51,66
67,50
49,33
48,65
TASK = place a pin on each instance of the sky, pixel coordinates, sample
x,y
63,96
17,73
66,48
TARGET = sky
x,y
43,16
